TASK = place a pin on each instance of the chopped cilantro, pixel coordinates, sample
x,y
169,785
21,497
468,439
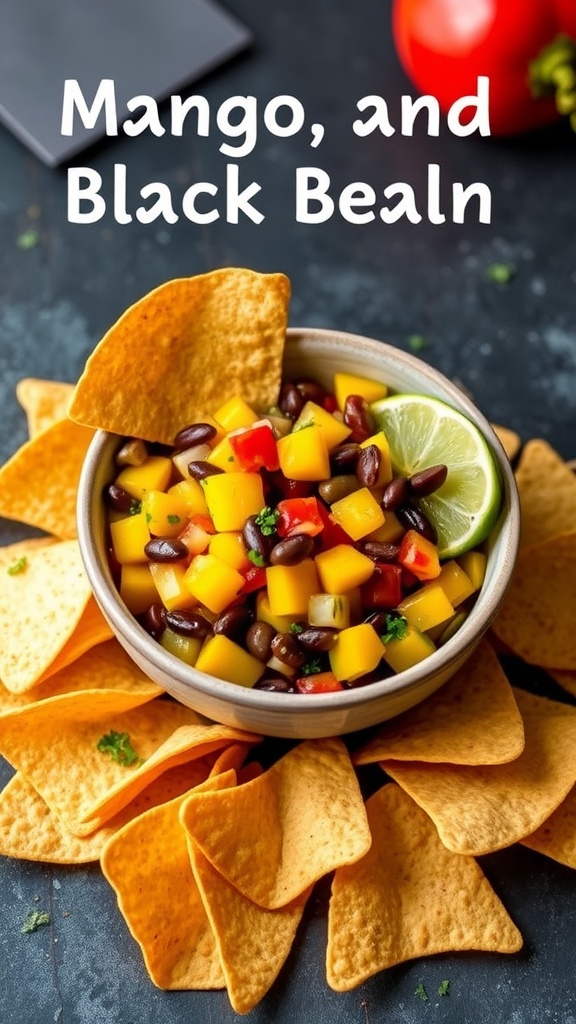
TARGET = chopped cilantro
x,y
148,517
416,342
118,745
303,425
136,508
311,667
421,993
396,627
444,988
230,459
256,558
500,273
267,520
34,920
18,566
28,239
295,627
173,519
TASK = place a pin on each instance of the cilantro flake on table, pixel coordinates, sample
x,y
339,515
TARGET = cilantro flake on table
x,y
267,520
444,988
28,239
18,566
421,993
500,273
34,920
118,745
417,342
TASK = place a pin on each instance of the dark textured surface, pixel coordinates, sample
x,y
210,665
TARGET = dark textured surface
x,y
513,346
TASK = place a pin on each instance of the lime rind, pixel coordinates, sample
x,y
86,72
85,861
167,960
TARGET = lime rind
x,y
424,431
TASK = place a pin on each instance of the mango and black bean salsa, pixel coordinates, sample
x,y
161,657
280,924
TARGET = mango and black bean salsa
x,y
282,549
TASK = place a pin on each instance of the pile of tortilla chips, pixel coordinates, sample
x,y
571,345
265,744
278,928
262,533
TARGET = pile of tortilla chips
x,y
212,857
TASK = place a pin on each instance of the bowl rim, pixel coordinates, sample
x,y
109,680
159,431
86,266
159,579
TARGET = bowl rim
x,y
476,624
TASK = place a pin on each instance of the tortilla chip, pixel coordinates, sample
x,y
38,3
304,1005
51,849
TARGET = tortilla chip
x,y
537,617
253,944
38,485
224,331
547,489
91,630
275,836
408,897
565,678
54,743
556,838
509,440
29,830
159,899
472,719
41,605
481,809
43,401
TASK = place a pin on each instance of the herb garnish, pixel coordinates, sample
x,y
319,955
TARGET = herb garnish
x,y
500,273
34,920
256,558
118,745
396,627
444,988
267,520
416,342
311,667
303,425
18,566
135,508
295,627
421,993
173,519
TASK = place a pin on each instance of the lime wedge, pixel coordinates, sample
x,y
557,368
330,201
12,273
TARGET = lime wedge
x,y
423,432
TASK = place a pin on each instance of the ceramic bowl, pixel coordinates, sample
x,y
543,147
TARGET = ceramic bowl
x,y
317,354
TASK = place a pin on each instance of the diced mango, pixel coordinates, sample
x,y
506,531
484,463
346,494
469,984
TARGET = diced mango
x,y
223,456
358,650
222,658
303,454
129,537
235,413
412,648
232,497
281,623
342,568
358,514
332,610
290,587
152,475
137,588
229,548
192,494
333,430
454,582
426,607
169,580
212,582
385,469
187,648
350,384
473,563
166,514
390,532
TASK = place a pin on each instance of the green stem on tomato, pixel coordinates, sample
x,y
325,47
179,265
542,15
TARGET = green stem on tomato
x,y
553,73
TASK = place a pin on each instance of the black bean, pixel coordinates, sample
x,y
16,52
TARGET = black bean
x,y
343,459
311,391
428,480
132,453
254,540
338,487
379,551
154,620
194,433
291,401
378,621
285,647
234,622
259,639
395,493
358,417
201,469
188,623
368,465
317,638
292,550
275,685
119,499
165,549
413,518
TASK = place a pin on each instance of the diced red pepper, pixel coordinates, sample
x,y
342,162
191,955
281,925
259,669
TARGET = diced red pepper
x,y
384,588
299,515
255,579
332,533
321,682
255,447
419,556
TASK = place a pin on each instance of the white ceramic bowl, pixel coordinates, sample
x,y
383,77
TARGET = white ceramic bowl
x,y
317,354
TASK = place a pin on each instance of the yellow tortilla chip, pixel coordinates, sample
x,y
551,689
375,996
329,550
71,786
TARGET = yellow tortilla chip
x,y
472,719
38,485
547,490
537,617
184,349
565,678
253,943
408,897
44,592
275,836
509,440
55,744
479,809
43,401
556,837
92,629
148,865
